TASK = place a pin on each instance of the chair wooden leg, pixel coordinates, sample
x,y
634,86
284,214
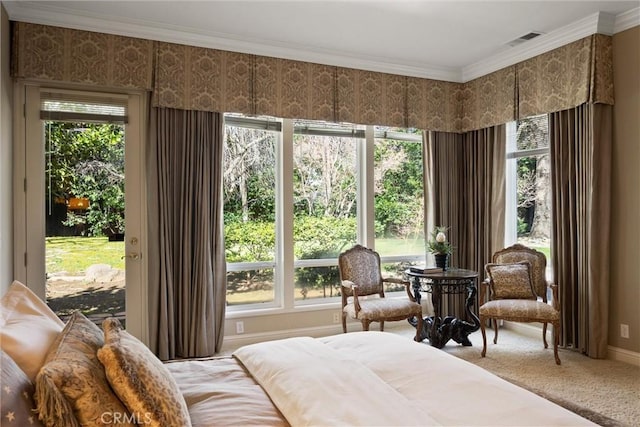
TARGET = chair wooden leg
x,y
484,336
544,335
495,330
344,322
382,325
419,327
556,341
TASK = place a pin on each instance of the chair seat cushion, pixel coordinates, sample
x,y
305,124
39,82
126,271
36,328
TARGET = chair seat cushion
x,y
519,309
381,308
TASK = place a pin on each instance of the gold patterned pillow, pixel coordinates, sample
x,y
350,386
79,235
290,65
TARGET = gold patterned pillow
x,y
71,387
141,380
16,395
511,281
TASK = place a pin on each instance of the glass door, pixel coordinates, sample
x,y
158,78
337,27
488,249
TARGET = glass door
x,y
83,204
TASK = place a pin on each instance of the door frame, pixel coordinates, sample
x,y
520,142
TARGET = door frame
x,y
28,197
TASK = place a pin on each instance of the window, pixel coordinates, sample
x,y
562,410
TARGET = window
x,y
249,209
324,203
298,193
398,198
528,173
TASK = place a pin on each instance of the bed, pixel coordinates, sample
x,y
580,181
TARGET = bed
x,y
85,375
360,378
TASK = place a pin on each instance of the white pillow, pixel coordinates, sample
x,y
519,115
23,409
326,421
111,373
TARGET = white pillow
x,y
28,327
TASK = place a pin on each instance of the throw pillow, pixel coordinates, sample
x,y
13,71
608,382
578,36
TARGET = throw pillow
x,y
141,380
16,395
511,281
71,387
27,328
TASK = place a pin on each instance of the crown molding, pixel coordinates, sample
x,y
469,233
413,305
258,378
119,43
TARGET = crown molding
x,y
597,23
627,20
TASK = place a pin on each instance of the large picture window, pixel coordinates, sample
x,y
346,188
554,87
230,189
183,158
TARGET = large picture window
x,y
298,193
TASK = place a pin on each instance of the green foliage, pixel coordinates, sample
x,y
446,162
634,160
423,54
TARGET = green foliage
x,y
400,193
250,241
320,238
87,161
323,237
315,238
523,226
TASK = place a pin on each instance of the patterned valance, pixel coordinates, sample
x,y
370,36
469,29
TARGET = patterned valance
x,y
566,77
48,53
490,100
196,78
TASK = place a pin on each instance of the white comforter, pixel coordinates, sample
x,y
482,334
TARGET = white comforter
x,y
375,378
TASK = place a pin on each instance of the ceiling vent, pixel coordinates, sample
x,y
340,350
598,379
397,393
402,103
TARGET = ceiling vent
x,y
525,38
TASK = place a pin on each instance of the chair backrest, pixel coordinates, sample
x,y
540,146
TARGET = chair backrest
x,y
537,260
361,266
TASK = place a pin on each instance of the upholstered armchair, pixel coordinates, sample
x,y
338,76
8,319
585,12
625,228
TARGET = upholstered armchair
x,y
362,289
518,292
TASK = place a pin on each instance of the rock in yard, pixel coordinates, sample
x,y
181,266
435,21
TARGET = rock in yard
x,y
101,273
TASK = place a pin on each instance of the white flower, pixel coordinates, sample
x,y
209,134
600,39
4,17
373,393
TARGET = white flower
x,y
441,237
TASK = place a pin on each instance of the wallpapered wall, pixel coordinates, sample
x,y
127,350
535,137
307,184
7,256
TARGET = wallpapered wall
x,y
189,77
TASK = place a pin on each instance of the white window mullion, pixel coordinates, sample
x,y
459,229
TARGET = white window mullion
x,y
511,189
365,191
284,218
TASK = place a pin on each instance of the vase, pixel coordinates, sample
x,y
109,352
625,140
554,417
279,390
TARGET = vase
x,y
441,261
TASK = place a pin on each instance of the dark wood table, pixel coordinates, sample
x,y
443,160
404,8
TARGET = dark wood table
x,y
437,282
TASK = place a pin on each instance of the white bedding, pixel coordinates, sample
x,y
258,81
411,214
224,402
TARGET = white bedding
x,y
377,378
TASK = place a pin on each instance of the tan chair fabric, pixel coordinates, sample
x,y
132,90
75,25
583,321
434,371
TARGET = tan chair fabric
x,y
362,289
519,307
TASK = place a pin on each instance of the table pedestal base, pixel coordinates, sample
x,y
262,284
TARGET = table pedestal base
x,y
439,331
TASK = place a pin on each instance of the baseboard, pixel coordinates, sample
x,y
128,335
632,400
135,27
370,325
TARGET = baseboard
x,y
614,353
622,355
528,329
235,341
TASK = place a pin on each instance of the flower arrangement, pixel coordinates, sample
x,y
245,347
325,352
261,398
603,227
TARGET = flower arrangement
x,y
438,243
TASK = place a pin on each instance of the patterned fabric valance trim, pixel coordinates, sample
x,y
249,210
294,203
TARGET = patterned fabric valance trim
x,y
196,78
58,54
571,75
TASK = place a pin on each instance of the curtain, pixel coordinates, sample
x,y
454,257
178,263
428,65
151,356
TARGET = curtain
x,y
580,142
187,270
465,191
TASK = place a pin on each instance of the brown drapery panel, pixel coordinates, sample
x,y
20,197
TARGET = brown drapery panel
x,y
187,270
202,79
465,185
580,142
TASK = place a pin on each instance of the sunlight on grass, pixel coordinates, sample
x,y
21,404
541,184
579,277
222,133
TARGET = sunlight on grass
x,y
390,246
73,255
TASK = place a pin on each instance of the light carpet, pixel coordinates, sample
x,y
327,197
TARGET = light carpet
x,y
605,391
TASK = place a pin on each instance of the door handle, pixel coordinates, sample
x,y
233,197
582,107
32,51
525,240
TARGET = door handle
x,y
132,255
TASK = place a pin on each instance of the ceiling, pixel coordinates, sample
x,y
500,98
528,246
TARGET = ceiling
x,y
449,40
